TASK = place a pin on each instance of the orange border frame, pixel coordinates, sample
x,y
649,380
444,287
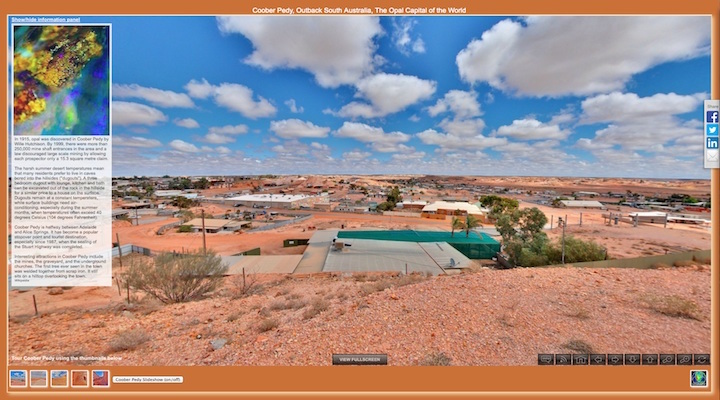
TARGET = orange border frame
x,y
409,382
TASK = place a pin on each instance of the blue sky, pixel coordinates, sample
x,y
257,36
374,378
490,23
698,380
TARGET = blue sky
x,y
566,96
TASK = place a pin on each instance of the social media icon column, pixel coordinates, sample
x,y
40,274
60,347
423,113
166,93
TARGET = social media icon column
x,y
711,136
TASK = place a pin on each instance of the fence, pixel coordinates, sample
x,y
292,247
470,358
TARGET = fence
x,y
401,214
164,228
281,223
131,248
642,262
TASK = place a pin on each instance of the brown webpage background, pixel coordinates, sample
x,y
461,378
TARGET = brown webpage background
x,y
545,381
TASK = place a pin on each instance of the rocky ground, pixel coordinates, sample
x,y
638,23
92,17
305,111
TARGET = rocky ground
x,y
486,317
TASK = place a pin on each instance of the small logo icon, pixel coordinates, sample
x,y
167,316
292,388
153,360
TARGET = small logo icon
x,y
698,379
711,129
712,155
712,116
712,143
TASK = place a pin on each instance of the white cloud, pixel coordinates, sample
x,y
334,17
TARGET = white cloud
x,y
356,155
229,129
418,155
239,98
402,36
293,107
448,141
156,97
222,134
387,94
532,129
561,55
186,123
629,107
135,141
641,136
128,113
463,128
216,138
319,146
639,123
223,150
184,147
414,118
335,50
463,104
418,46
234,97
199,89
295,128
379,140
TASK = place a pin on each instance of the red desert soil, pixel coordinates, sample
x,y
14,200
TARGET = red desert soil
x,y
490,317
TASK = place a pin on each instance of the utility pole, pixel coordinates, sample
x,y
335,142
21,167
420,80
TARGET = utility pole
x,y
202,213
562,223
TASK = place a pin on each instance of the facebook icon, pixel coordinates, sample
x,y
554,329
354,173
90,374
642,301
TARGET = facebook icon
x,y
712,116
712,143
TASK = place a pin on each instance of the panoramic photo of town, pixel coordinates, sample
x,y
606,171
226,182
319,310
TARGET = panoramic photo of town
x,y
446,191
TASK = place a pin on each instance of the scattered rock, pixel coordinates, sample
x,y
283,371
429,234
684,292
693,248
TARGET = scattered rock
x,y
55,291
199,336
218,344
128,314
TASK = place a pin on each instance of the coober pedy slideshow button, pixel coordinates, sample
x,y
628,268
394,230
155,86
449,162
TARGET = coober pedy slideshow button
x,y
359,359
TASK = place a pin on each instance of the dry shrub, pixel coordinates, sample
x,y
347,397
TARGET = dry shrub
x,y
673,306
268,324
240,288
317,306
234,316
278,305
579,313
578,346
436,359
175,278
395,281
128,340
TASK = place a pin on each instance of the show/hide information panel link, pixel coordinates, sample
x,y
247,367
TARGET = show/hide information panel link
x,y
61,156
712,126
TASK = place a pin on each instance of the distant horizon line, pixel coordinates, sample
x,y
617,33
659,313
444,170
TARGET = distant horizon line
x,y
418,175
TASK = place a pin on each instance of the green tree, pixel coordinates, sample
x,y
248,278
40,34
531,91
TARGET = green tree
x,y
385,206
557,202
394,196
457,224
182,202
471,222
175,278
523,238
498,205
576,250
201,183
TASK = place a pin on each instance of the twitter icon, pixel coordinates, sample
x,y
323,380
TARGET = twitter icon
x,y
711,129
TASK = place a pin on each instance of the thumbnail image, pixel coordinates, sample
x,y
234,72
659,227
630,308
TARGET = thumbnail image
x,y
101,378
61,80
38,378
460,191
18,378
79,378
59,378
